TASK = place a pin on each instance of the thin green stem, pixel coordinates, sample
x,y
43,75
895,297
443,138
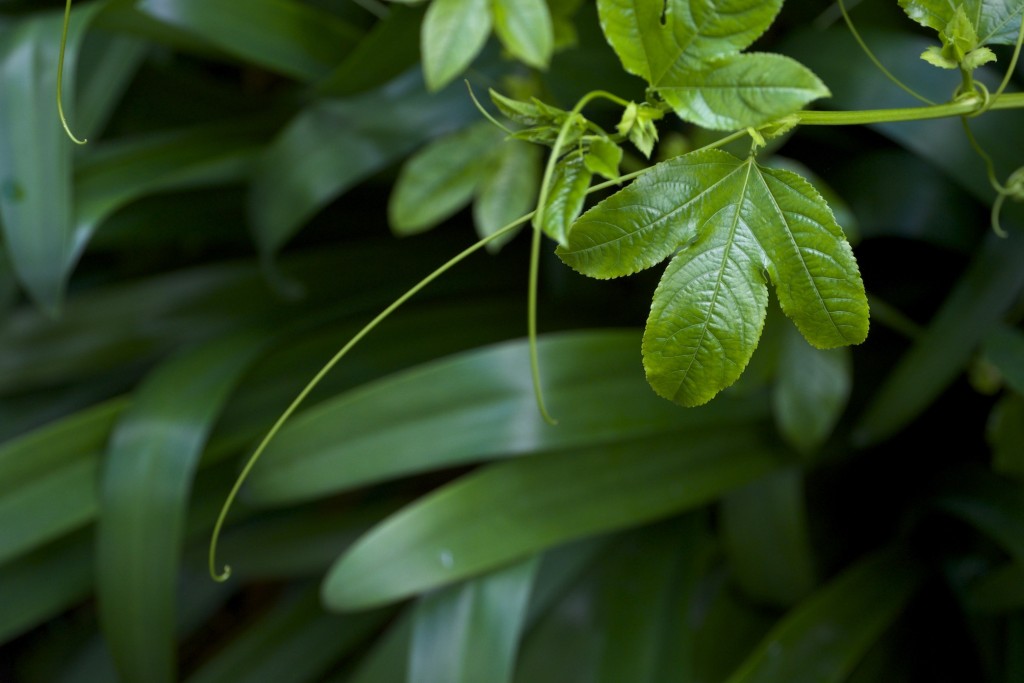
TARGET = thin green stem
x,y
997,208
226,572
874,60
486,114
531,326
1013,62
60,76
990,168
960,107
538,222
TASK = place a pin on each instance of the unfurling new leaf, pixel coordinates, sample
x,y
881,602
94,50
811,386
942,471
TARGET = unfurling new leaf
x,y
736,225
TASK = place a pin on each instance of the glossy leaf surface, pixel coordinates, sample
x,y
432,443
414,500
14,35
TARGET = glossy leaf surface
x,y
393,428
470,631
996,22
735,220
511,510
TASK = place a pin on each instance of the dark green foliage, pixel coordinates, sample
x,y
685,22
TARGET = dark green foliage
x,y
264,177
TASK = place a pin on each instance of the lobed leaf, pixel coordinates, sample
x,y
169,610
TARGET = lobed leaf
x,y
659,39
740,91
996,22
743,220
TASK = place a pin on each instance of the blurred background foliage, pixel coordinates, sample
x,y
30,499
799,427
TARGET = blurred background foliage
x,y
168,288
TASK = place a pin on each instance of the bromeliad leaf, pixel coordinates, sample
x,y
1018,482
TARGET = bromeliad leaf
x,y
738,91
565,197
995,22
656,39
735,221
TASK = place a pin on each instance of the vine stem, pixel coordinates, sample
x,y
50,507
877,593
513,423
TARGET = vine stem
x,y
874,60
60,76
225,574
538,221
244,475
936,111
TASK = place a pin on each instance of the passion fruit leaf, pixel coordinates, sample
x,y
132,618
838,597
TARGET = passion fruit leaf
x,y
742,90
659,39
735,221
565,198
995,22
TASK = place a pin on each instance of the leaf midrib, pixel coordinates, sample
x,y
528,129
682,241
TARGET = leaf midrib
x,y
718,281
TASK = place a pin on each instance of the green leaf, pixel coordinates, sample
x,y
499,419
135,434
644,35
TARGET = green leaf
x,y
824,637
1004,348
393,428
995,22
289,37
659,39
512,510
740,91
46,478
811,391
391,47
603,158
525,29
441,178
454,32
507,190
734,220
115,174
469,632
295,641
335,144
1006,434
35,154
566,195
766,537
144,490
44,583
977,303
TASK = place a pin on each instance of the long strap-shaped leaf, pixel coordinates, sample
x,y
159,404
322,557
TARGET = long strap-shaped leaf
x,y
144,496
512,510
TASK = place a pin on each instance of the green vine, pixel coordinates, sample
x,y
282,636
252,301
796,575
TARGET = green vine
x,y
728,226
